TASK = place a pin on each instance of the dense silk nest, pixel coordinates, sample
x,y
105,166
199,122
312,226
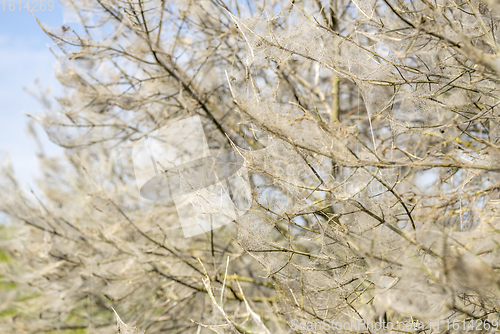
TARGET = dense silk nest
x,y
370,134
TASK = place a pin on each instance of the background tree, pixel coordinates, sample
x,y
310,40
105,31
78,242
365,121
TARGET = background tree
x,y
370,130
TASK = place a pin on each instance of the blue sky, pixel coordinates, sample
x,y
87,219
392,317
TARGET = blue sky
x,y
24,57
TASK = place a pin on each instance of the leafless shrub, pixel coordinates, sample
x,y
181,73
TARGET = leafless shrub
x,y
370,133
